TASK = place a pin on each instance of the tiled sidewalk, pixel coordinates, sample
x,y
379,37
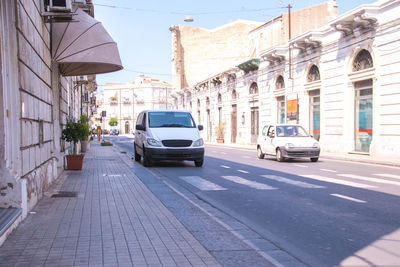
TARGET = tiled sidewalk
x,y
114,221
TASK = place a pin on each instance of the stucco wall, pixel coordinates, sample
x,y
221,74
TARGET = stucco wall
x,y
206,52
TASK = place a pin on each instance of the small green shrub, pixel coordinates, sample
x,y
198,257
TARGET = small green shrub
x,y
105,143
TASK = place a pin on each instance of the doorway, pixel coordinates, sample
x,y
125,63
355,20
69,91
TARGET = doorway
x,y
363,115
127,127
254,125
315,114
233,123
209,129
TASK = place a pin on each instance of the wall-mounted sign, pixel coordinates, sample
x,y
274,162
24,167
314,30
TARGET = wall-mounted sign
x,y
291,108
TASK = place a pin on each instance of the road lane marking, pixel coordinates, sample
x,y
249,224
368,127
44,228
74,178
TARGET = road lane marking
x,y
246,157
327,170
336,181
388,175
226,167
242,171
369,179
227,227
202,184
292,182
349,198
224,153
301,166
252,184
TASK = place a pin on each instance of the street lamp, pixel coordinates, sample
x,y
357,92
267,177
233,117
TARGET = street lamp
x,y
188,18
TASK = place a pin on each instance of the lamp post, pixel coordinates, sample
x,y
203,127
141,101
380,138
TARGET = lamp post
x,y
188,18
133,107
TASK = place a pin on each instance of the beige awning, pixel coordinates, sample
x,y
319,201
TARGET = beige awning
x,y
84,47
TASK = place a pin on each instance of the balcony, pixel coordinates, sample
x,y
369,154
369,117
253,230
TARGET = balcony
x,y
113,100
126,100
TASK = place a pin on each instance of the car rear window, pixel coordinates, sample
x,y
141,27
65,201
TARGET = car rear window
x,y
171,119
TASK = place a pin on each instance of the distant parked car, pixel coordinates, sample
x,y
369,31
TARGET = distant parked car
x,y
287,141
105,131
114,132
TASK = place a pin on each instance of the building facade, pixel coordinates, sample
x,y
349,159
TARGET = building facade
x,y
41,88
125,101
339,81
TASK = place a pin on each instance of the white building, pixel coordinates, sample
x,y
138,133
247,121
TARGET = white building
x,y
125,101
340,81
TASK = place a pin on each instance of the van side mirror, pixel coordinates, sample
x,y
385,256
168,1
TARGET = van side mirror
x,y
200,127
140,127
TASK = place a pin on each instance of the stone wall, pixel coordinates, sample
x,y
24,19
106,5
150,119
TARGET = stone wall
x,y
35,86
10,138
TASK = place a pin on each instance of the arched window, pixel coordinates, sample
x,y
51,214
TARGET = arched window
x,y
313,74
207,101
198,103
234,95
253,89
362,61
280,83
219,99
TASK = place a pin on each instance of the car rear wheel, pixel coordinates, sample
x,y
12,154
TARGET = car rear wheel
x,y
279,156
199,163
260,154
314,159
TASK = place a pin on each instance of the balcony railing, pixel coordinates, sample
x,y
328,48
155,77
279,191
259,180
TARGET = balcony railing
x,y
113,100
126,100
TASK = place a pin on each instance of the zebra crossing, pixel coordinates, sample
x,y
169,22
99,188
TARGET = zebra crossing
x,y
206,185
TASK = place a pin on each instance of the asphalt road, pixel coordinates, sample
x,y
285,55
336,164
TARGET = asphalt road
x,y
324,214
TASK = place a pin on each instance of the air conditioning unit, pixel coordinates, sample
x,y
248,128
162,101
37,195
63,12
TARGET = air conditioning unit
x,y
59,6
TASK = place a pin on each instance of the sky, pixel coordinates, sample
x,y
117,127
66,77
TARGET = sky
x,y
141,28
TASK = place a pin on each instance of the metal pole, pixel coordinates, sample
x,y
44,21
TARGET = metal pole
x,y
133,107
290,37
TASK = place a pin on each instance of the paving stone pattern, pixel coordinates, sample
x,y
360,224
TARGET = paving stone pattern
x,y
114,221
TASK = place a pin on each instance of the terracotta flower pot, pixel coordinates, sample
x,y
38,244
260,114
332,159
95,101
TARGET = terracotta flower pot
x,y
75,162
220,140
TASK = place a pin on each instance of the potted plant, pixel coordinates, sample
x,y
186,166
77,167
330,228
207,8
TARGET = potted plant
x,y
220,132
73,132
84,120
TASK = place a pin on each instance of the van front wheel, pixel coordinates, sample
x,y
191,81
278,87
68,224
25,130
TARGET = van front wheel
x,y
199,163
146,159
137,156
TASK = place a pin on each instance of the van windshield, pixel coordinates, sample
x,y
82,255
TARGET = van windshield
x,y
171,119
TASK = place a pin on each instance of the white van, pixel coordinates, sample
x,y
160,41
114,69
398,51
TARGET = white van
x,y
168,135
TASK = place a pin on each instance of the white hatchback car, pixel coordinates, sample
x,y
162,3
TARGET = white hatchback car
x,y
287,141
